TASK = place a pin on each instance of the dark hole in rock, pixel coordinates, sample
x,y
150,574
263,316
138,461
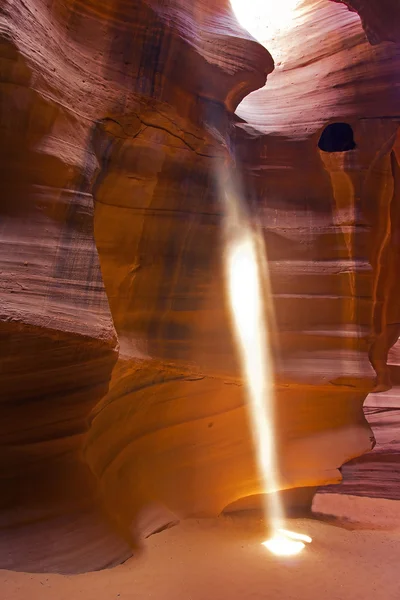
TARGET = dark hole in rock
x,y
337,137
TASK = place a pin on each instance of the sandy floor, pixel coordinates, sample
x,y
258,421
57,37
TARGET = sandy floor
x,y
355,554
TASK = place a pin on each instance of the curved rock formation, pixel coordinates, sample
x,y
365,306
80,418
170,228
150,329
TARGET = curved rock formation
x,y
354,193
356,205
132,370
64,67
58,343
381,21
166,296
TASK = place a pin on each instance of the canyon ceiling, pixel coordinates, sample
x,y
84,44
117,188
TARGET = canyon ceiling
x,y
122,405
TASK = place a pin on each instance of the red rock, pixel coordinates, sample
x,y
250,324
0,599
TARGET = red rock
x,y
381,21
117,350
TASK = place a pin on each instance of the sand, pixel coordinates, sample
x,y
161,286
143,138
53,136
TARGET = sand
x,y
354,554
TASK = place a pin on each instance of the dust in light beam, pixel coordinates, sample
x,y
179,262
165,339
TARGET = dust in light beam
x,y
245,265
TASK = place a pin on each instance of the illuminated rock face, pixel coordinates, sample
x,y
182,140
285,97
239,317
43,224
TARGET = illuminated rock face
x,y
117,353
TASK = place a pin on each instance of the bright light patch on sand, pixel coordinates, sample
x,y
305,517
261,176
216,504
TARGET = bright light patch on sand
x,y
264,19
246,267
286,543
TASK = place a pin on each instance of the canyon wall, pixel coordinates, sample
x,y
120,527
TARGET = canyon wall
x,y
66,69
123,408
380,20
339,203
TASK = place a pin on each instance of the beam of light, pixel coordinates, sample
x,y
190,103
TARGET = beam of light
x,y
246,302
265,19
245,264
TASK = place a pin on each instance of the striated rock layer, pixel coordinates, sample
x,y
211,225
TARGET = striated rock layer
x,y
65,67
123,408
342,200
381,20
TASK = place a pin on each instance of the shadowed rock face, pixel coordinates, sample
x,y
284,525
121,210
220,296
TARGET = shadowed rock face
x,y
381,20
58,342
122,404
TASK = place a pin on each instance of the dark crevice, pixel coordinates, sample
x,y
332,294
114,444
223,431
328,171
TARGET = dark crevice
x,y
337,137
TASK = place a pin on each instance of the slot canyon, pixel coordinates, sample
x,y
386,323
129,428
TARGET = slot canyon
x,y
128,464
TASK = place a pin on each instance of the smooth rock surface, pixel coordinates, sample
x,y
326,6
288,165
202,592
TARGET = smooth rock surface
x,y
122,403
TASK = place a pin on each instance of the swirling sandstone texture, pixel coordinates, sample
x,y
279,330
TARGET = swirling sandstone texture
x,y
381,20
338,210
122,404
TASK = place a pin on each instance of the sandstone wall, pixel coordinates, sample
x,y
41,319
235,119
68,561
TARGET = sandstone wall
x,y
122,402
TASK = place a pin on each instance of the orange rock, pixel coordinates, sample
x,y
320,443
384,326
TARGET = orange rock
x,y
117,351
